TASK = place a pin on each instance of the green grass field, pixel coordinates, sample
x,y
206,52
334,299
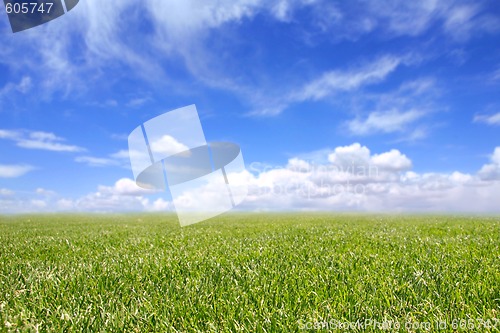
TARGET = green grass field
x,y
249,273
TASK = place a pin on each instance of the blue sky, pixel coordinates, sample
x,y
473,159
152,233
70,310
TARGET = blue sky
x,y
411,89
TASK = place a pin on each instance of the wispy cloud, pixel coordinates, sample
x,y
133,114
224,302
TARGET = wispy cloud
x,y
491,119
39,140
336,81
97,161
118,159
496,75
463,20
348,80
458,19
6,192
181,29
384,122
12,90
8,134
137,102
164,145
14,170
180,38
399,111
23,87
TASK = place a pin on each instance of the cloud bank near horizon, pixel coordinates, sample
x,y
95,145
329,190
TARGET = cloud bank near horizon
x,y
353,179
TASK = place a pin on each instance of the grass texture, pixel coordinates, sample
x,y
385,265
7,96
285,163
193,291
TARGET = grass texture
x,y
249,273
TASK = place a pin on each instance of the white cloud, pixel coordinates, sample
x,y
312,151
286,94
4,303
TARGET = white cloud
x,y
495,157
464,20
167,145
346,156
45,192
491,171
159,205
357,180
64,205
405,18
47,145
39,200
97,161
22,87
353,179
38,204
354,157
11,135
14,171
120,158
458,19
124,195
496,75
188,17
298,164
137,102
39,140
492,119
97,202
347,80
43,136
283,10
460,16
392,160
6,192
398,111
125,154
384,122
331,83
125,187
418,87
46,141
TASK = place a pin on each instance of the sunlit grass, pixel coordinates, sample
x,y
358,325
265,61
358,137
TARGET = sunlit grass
x,y
244,272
